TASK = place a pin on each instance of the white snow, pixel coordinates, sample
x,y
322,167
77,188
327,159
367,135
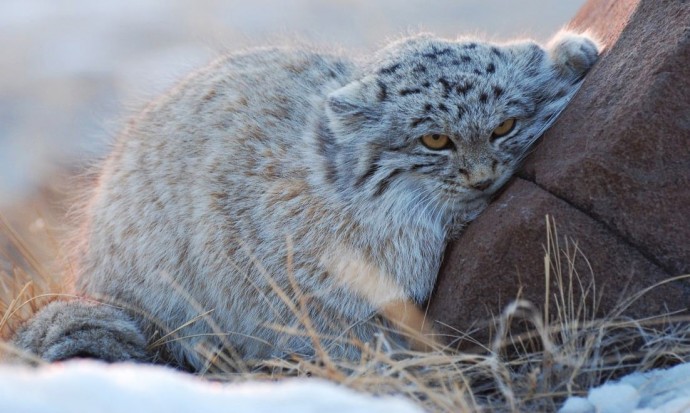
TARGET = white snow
x,y
577,405
626,399
658,391
90,386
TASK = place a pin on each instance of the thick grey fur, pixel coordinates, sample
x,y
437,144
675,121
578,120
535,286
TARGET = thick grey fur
x,y
278,183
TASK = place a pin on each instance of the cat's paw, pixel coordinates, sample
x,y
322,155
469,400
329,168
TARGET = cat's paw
x,y
82,329
573,54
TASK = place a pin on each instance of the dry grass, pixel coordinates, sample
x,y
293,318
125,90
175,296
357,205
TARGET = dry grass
x,y
27,282
562,351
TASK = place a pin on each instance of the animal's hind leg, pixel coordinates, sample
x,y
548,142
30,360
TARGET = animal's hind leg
x,y
82,328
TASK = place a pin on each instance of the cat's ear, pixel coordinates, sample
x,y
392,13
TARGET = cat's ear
x,y
357,105
573,54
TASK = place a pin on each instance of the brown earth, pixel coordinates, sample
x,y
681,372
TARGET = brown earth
x,y
614,173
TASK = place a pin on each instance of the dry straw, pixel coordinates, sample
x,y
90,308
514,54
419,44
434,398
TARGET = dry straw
x,y
535,360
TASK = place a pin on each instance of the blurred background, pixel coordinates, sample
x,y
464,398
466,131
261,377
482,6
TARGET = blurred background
x,y
72,70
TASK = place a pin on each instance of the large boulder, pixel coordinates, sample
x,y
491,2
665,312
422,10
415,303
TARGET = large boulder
x,y
613,172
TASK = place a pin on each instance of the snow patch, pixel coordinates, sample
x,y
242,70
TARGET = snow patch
x,y
658,391
90,386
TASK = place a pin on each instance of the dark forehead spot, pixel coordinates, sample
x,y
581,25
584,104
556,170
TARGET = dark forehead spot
x,y
483,98
498,91
390,69
427,107
383,91
463,88
477,72
514,102
442,107
491,68
419,68
496,52
446,86
461,111
462,59
405,92
426,83
435,53
470,46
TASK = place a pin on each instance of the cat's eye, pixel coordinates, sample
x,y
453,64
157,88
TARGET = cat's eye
x,y
436,141
504,128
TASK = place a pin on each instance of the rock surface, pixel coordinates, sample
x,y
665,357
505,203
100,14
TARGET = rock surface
x,y
614,172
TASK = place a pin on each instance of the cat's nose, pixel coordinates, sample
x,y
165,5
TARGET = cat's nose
x,y
482,185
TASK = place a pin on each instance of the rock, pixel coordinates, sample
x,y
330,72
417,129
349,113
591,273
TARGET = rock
x,y
614,172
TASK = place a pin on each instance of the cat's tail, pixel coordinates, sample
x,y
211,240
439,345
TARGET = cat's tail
x,y
82,329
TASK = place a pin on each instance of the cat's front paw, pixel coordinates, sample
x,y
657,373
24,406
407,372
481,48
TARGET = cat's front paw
x,y
573,54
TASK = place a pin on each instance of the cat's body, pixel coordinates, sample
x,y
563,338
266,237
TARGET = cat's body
x,y
279,184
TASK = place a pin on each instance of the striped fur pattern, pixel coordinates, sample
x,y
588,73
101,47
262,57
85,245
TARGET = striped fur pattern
x,y
280,184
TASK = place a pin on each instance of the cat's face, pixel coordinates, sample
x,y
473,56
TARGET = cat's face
x,y
450,121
